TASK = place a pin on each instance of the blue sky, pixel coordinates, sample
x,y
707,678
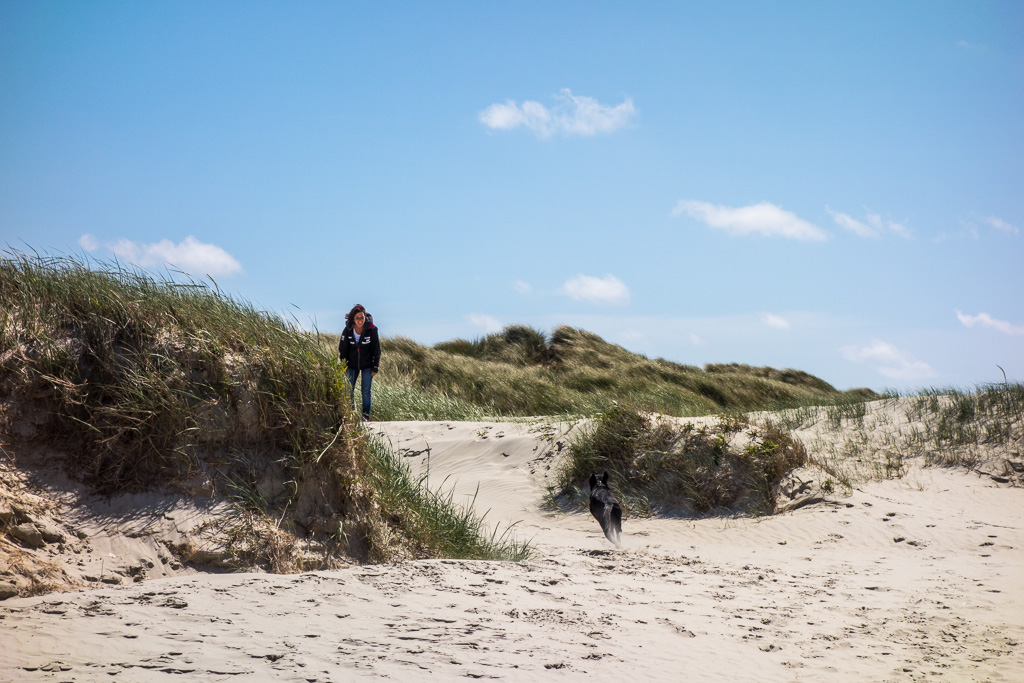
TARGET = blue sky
x,y
833,187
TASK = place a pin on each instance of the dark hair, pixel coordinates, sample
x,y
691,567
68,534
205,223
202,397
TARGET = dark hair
x,y
350,317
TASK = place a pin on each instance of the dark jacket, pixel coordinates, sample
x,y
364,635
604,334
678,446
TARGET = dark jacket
x,y
365,354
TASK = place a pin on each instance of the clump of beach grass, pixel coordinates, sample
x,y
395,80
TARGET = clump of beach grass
x,y
148,383
664,466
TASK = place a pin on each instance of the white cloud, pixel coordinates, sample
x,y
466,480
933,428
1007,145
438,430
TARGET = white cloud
x,y
985,320
871,227
1003,226
900,229
88,242
696,339
764,218
190,255
776,321
976,224
571,115
533,115
489,323
606,290
522,287
889,361
852,224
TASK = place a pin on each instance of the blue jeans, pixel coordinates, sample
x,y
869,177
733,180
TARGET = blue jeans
x,y
366,382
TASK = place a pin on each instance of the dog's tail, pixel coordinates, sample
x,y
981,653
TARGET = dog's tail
x,y
612,524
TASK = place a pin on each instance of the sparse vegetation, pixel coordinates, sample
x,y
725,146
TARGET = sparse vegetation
x,y
432,518
657,465
982,430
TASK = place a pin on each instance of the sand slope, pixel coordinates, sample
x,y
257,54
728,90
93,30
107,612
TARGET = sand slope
x,y
909,579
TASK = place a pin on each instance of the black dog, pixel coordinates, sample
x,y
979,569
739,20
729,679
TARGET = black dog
x,y
606,508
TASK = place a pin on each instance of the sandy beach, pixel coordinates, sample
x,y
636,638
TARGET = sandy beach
x,y
915,578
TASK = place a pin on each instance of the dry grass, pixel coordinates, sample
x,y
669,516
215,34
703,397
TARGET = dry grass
x,y
154,384
661,466
521,372
981,430
35,577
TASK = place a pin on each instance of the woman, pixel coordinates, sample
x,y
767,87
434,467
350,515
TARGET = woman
x,y
360,351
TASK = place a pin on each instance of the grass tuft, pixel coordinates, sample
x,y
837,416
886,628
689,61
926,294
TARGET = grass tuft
x,y
432,519
662,466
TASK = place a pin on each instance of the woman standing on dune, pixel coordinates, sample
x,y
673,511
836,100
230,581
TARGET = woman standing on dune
x,y
360,351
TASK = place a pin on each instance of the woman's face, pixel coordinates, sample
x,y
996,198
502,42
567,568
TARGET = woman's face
x,y
360,319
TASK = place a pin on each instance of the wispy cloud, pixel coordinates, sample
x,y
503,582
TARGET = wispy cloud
x,y
190,255
522,287
488,323
1002,226
985,320
571,115
775,321
900,229
973,46
977,226
852,224
760,219
598,290
889,361
872,227
88,242
879,224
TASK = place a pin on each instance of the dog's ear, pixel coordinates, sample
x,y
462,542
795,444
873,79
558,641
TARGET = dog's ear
x,y
593,481
604,478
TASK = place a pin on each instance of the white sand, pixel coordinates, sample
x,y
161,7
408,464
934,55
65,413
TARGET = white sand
x,y
910,579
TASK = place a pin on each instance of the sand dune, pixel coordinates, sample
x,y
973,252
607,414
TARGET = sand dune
x,y
905,579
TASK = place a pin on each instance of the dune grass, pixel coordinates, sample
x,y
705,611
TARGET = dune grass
x,y
522,372
981,429
989,414
662,466
138,373
149,383
432,517
732,463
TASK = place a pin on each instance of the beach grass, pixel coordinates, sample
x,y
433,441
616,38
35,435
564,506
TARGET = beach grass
x,y
167,383
981,429
522,372
432,518
728,465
